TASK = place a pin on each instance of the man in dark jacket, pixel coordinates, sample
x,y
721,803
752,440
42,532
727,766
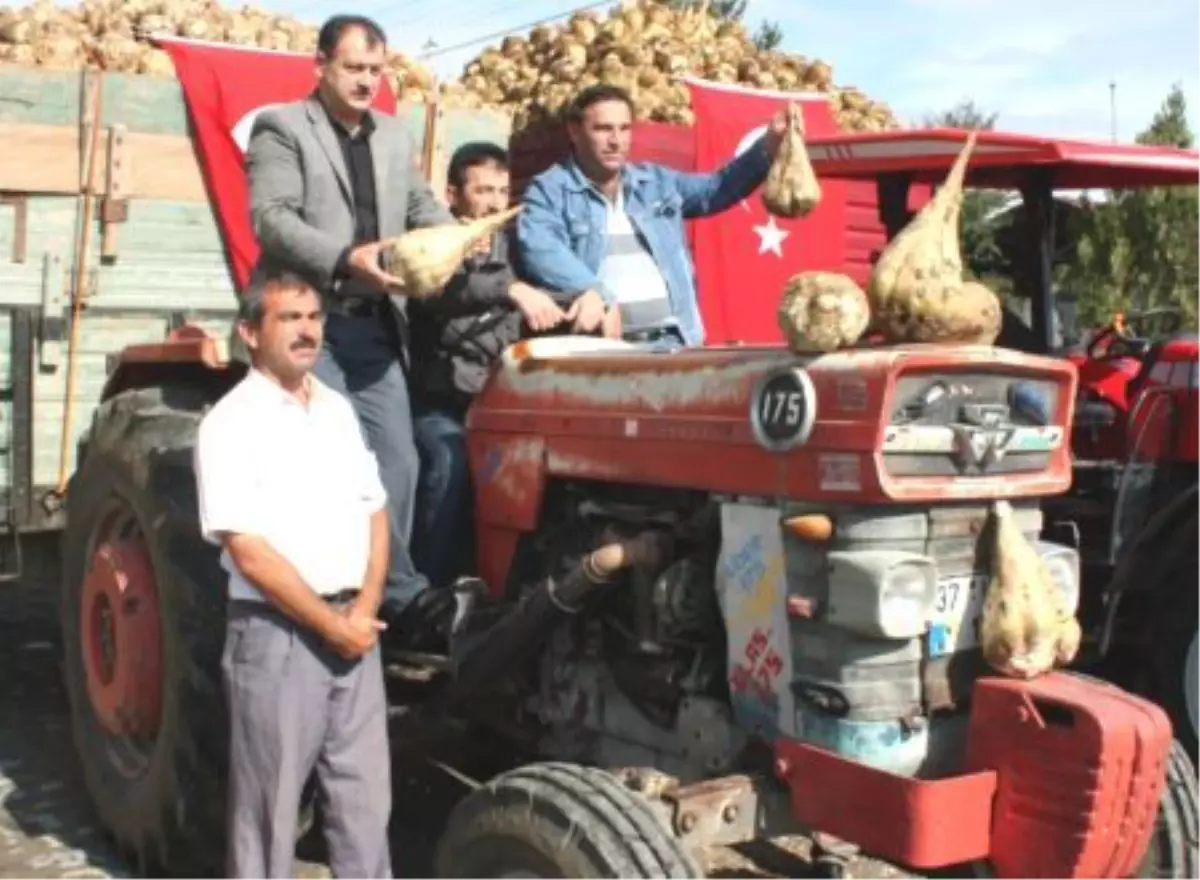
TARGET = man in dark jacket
x,y
456,337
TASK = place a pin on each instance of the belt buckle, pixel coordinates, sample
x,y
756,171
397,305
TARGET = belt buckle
x,y
342,598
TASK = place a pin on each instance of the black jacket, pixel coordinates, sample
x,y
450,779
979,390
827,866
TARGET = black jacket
x,y
457,335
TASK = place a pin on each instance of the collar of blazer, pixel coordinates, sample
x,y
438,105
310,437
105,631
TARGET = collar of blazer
x,y
327,137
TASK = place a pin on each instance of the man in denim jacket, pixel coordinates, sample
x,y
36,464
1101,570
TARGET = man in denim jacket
x,y
611,232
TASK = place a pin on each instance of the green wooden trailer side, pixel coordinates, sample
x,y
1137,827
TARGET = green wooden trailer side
x,y
153,260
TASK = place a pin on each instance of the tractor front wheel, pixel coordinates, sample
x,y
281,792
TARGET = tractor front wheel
x,y
558,820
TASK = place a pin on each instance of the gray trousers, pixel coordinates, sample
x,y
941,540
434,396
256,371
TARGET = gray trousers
x,y
294,706
359,359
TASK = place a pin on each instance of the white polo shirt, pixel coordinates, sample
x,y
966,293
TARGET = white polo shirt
x,y
302,477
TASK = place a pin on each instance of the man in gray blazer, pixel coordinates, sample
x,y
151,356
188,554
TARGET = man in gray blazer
x,y
329,178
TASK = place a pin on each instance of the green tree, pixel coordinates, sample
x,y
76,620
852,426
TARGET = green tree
x,y
768,36
1137,248
965,114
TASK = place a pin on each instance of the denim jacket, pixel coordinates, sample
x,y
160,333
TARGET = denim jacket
x,y
561,231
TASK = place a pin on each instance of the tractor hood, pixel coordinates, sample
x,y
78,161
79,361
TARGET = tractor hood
x,y
919,422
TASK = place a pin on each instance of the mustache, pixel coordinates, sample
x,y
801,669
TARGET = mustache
x,y
305,343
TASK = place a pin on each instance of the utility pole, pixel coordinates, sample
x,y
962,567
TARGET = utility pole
x,y
1112,108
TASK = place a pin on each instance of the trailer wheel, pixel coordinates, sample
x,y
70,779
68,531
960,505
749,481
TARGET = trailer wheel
x,y
558,820
142,618
1174,850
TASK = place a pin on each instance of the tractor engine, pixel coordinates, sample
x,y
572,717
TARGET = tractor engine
x,y
640,681
830,559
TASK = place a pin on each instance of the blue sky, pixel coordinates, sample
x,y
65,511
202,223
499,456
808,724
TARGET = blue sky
x,y
1043,65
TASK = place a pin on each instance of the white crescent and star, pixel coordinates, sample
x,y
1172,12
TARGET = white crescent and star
x,y
770,237
241,130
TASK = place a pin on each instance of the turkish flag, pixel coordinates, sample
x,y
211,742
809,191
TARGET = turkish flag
x,y
225,88
745,256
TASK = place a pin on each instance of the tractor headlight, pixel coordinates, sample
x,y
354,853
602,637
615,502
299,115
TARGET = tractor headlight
x,y
906,594
1063,565
884,593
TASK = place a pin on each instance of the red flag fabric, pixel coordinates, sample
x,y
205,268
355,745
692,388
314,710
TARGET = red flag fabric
x,y
225,88
744,256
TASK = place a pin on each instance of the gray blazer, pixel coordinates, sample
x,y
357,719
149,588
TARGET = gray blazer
x,y
301,204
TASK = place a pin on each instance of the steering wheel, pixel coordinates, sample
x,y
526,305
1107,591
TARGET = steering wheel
x,y
1171,318
1114,340
1132,335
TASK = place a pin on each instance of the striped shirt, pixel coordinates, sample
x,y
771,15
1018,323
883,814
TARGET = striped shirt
x,y
630,273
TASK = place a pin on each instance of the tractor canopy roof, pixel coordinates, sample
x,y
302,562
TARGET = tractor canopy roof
x,y
1003,160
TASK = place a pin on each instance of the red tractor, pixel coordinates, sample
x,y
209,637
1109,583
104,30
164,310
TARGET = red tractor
x,y
1132,507
1115,363
732,593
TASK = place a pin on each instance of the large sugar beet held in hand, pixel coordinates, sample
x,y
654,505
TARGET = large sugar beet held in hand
x,y
916,287
1026,628
792,189
822,311
425,259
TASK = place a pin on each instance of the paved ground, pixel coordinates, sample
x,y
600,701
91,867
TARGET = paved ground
x,y
47,828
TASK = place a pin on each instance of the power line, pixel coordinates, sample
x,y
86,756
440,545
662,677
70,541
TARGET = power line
x,y
507,31
482,12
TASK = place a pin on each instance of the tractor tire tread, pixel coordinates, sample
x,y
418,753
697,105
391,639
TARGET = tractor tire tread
x,y
1175,836
613,830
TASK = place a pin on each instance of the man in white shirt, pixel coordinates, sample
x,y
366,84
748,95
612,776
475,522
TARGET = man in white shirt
x,y
289,490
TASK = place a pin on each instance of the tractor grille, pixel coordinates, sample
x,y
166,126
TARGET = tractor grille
x,y
971,424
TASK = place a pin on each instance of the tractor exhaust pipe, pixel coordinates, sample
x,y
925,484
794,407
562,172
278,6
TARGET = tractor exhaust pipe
x,y
524,630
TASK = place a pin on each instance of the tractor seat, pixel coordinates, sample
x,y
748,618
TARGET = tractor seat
x,y
1150,360
1151,356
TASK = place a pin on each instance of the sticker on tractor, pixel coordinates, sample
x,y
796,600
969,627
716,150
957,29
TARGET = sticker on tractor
x,y
839,472
852,395
752,587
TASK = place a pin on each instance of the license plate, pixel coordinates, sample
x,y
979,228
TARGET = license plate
x,y
957,604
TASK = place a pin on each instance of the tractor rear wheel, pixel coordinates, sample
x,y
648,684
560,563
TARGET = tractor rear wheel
x,y
1174,850
1173,664
558,820
142,619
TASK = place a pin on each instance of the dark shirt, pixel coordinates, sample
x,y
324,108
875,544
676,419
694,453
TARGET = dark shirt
x,y
458,336
356,150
